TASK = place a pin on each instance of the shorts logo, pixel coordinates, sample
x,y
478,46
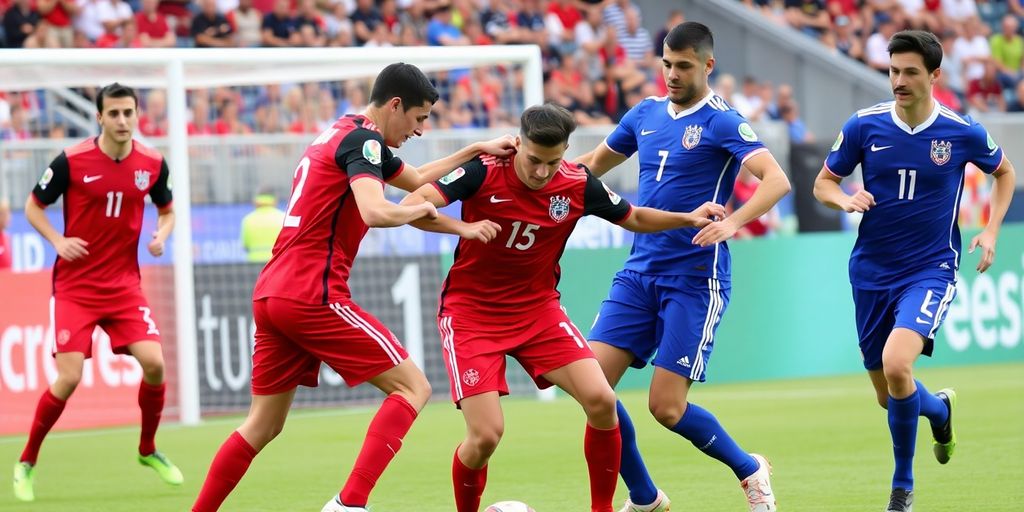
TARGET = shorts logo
x,y
471,377
692,136
941,151
63,336
684,361
141,179
559,208
371,151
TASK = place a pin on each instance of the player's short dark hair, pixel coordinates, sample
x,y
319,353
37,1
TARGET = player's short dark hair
x,y
405,82
920,42
690,34
548,125
115,90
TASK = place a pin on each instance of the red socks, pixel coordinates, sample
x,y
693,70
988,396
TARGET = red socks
x,y
151,402
469,485
383,440
227,468
47,412
603,450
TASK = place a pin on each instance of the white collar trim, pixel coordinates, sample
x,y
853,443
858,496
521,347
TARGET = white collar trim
x,y
700,104
919,128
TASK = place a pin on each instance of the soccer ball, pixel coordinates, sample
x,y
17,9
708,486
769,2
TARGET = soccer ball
x,y
509,506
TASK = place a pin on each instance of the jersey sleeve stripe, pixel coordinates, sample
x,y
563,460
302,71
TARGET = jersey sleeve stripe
x,y
441,191
629,213
397,173
370,176
830,171
753,153
605,142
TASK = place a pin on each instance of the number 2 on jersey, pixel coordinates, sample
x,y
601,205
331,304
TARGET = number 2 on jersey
x,y
292,221
904,173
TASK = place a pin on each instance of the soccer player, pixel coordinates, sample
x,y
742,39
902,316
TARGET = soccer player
x,y
302,305
670,297
500,299
104,181
912,152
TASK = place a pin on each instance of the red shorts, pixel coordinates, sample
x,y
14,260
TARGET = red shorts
x,y
475,349
126,321
292,338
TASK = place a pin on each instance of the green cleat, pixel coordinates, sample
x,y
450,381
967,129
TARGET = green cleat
x,y
164,467
945,437
23,472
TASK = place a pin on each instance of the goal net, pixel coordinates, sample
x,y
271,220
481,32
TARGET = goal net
x,y
233,125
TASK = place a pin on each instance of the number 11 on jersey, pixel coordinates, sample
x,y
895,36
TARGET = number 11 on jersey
x,y
904,173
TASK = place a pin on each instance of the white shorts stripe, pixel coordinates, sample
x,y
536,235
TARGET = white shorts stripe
x,y
52,341
353,319
943,305
714,309
444,324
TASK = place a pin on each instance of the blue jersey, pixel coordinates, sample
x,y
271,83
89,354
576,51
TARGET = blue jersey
x,y
686,159
916,176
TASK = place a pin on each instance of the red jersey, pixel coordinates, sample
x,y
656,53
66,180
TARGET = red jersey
x,y
517,272
5,251
322,229
103,205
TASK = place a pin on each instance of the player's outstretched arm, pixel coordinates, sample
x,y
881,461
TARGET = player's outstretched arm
x,y
164,227
378,212
484,230
774,185
68,248
828,192
1002,194
413,178
601,159
650,220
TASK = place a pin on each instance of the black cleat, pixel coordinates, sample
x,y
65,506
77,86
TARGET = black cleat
x,y
945,438
901,500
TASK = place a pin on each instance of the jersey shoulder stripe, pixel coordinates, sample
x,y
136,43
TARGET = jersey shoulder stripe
x,y
82,147
492,160
572,170
716,102
880,108
949,114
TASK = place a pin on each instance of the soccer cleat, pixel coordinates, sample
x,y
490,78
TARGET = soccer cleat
x,y
758,487
335,506
945,438
164,467
901,500
660,504
23,473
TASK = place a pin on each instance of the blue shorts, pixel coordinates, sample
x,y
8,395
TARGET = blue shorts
x,y
673,316
920,306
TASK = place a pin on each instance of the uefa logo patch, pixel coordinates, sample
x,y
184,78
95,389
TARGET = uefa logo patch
x,y
941,151
471,377
692,136
559,208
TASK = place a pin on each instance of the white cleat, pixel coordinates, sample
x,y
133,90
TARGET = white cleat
x,y
335,506
758,487
660,504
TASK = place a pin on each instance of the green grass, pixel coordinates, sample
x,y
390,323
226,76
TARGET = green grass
x,y
826,438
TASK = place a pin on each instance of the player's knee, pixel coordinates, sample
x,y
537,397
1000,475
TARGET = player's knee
x,y
666,413
600,406
66,383
415,390
152,370
485,440
897,372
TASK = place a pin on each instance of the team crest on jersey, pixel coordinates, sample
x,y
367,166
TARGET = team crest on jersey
x,y
471,377
46,178
559,209
941,151
141,179
692,136
371,151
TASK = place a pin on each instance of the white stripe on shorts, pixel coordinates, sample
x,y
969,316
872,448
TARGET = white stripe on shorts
x,y
941,310
715,304
354,320
444,325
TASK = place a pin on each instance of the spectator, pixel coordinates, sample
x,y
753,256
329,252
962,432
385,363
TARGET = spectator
x,y
365,19
846,41
56,22
748,101
88,21
114,15
952,67
474,32
152,26
18,128
309,26
20,23
279,27
985,94
441,31
956,12
675,17
5,239
228,123
586,110
808,16
561,19
1018,102
153,118
590,32
247,22
210,29
414,18
200,123
338,26
261,226
327,110
876,50
944,95
972,50
798,132
389,16
614,15
636,40
1008,52
744,188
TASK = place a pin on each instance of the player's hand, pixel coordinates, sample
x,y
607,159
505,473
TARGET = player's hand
x,y
860,202
71,248
156,246
501,146
715,232
484,231
707,213
429,210
987,241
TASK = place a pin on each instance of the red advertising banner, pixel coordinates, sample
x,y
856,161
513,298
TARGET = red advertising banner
x,y
107,393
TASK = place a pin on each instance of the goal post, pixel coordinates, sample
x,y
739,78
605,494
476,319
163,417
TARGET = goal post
x,y
178,70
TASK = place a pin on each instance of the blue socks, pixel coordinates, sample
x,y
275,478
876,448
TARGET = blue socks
x,y
702,429
931,406
903,418
634,473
